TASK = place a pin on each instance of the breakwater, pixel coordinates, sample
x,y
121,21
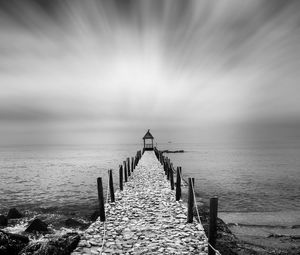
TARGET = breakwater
x,y
145,216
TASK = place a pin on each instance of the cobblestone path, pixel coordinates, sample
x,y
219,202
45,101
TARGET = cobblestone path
x,y
145,219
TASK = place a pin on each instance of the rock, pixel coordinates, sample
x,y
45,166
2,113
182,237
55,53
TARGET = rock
x,y
170,151
74,223
13,213
12,244
3,221
37,226
63,245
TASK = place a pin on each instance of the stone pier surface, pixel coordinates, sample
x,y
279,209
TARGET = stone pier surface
x,y
145,219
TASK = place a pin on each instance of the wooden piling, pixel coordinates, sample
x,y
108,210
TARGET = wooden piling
x,y
100,199
139,155
111,187
121,177
168,169
165,167
178,184
125,171
212,229
128,166
135,161
190,201
132,164
172,177
168,172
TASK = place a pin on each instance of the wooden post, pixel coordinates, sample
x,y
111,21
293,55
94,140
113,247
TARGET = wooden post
x,y
135,161
128,166
178,184
121,177
125,171
190,201
172,177
132,164
168,168
101,199
111,187
212,230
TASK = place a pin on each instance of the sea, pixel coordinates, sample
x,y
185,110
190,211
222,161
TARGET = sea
x,y
258,184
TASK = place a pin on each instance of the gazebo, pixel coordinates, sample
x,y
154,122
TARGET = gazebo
x,y
148,141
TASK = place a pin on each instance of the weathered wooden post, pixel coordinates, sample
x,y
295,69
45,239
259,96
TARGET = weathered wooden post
x,y
165,167
100,199
135,162
121,177
111,187
190,201
168,168
125,171
212,230
128,166
132,164
172,177
178,184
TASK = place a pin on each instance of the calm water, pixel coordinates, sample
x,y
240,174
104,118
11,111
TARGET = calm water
x,y
264,177
258,184
249,179
58,179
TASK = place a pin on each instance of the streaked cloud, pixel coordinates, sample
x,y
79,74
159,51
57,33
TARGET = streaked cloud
x,y
118,65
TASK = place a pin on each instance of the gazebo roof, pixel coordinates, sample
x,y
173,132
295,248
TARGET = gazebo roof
x,y
148,135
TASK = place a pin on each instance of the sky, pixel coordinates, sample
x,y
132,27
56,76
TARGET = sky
x,y
106,71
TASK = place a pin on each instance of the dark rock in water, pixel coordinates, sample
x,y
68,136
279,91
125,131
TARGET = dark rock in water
x,y
295,226
74,223
12,244
63,245
176,151
37,226
95,216
13,213
3,221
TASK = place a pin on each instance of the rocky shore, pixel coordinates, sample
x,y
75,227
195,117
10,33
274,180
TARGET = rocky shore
x,y
16,244
230,244
36,238
145,219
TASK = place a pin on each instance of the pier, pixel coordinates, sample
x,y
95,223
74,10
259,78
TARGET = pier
x,y
146,215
